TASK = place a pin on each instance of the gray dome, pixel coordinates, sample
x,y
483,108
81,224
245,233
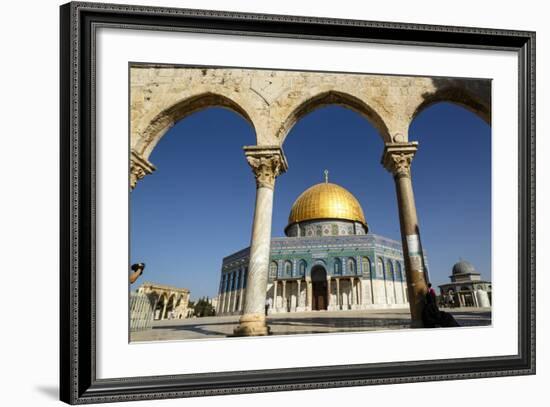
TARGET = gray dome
x,y
464,267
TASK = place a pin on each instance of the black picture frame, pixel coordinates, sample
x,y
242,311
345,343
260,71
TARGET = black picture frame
x,y
78,382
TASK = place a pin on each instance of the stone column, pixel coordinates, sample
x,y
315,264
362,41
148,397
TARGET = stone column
x,y
267,163
397,159
155,307
329,294
163,315
241,295
474,296
284,303
239,278
361,289
309,295
338,298
299,295
352,289
275,284
226,298
220,295
227,294
231,294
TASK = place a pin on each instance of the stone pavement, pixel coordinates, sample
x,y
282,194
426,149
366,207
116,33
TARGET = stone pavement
x,y
301,323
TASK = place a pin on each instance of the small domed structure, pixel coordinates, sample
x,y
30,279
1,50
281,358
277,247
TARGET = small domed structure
x,y
464,267
467,288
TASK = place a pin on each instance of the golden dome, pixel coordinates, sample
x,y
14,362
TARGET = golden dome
x,y
326,201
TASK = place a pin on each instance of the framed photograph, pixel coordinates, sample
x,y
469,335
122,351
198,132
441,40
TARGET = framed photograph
x,y
255,203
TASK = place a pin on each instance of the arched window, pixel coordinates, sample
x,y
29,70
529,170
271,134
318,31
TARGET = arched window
x,y
337,267
273,269
288,268
366,266
351,266
389,271
302,267
379,268
399,272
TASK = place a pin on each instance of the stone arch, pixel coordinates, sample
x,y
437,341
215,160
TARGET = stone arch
x,y
338,267
168,117
399,269
351,266
332,97
380,272
273,269
152,299
474,96
178,300
302,268
287,268
366,266
390,270
161,300
319,262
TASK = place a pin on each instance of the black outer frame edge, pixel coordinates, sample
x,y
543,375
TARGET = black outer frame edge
x,y
312,27
86,192
81,365
65,334
527,200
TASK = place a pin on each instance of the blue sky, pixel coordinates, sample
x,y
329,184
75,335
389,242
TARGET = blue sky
x,y
198,206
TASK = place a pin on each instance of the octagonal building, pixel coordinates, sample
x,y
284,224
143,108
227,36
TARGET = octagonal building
x,y
327,261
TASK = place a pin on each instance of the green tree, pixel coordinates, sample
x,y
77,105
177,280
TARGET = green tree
x,y
203,308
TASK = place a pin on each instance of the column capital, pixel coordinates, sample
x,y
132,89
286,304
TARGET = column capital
x,y
267,163
397,158
139,168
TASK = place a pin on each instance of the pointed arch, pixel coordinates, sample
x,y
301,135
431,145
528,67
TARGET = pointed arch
x,y
333,97
474,96
165,119
351,266
337,266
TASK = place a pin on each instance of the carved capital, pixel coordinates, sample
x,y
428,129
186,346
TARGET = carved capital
x,y
139,168
397,158
267,162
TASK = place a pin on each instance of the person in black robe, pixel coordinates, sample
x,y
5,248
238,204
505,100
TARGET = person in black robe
x,y
432,317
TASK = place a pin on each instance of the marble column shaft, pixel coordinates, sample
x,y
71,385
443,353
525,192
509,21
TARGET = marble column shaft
x,y
309,299
329,294
338,298
284,302
275,284
241,296
267,163
397,159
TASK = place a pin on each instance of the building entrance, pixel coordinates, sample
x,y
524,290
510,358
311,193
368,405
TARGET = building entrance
x,y
319,282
